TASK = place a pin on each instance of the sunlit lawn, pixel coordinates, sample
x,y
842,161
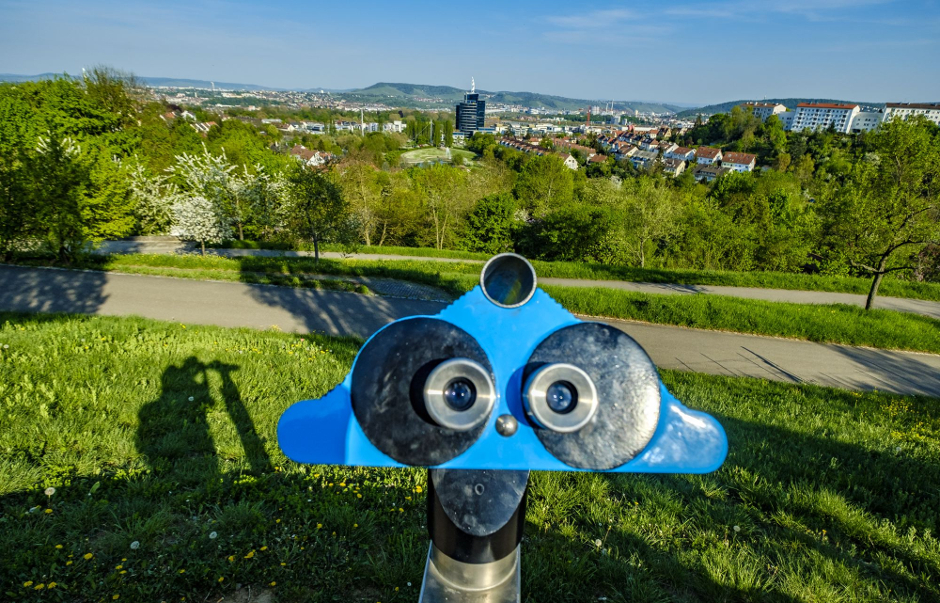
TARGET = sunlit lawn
x,y
159,439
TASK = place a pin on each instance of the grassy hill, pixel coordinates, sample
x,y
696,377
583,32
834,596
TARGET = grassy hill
x,y
789,102
402,93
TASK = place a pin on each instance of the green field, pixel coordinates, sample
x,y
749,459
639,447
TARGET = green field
x,y
434,154
163,435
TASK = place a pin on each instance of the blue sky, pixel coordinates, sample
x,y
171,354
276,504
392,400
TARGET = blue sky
x,y
688,52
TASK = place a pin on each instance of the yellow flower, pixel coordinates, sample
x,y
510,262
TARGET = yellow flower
x,y
273,584
264,548
182,571
221,578
400,510
418,489
283,564
123,572
277,521
359,496
250,555
39,586
51,585
58,546
342,484
68,563
48,511
319,525
116,597
231,558
27,584
118,567
88,555
355,525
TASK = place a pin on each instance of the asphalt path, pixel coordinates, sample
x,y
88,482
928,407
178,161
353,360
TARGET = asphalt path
x,y
230,304
913,306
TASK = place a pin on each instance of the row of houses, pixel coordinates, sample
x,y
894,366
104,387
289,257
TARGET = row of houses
x,y
526,147
843,117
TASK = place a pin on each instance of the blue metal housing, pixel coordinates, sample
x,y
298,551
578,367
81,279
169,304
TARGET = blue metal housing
x,y
325,431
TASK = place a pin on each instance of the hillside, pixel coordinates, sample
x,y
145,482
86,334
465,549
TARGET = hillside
x,y
399,92
789,102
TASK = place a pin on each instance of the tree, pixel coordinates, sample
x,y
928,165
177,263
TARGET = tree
x,y
318,210
651,209
489,225
887,211
198,218
544,184
153,198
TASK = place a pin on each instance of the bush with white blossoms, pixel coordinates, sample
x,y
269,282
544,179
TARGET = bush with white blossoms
x,y
196,218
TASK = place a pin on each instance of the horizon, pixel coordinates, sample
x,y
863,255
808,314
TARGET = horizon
x,y
841,49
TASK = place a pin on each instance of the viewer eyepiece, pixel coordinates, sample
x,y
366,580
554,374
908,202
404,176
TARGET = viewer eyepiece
x,y
459,394
560,397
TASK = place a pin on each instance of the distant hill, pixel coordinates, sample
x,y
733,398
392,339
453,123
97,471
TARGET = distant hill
x,y
384,91
790,103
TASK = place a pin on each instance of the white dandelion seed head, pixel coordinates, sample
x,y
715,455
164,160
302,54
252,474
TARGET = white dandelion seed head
x,y
213,535
598,543
50,491
737,528
135,545
191,398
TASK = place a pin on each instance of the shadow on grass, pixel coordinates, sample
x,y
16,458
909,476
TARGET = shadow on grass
x,y
173,430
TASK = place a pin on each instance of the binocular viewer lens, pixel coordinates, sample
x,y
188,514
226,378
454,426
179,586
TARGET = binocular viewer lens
x,y
459,394
560,397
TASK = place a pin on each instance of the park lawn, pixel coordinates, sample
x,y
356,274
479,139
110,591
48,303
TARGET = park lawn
x,y
834,323
163,435
418,156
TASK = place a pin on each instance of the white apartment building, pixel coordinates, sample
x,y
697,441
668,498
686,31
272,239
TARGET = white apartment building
x,y
904,110
394,126
764,110
739,162
866,121
819,116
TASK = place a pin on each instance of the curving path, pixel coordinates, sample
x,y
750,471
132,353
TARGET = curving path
x,y
338,313
913,306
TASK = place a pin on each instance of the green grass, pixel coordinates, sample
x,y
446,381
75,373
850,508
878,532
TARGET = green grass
x,y
826,495
836,323
422,252
434,154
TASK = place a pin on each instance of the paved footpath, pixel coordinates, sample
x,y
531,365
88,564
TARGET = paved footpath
x,y
914,306
338,313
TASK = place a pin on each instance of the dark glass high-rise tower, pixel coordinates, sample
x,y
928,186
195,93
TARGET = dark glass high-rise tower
x,y
471,113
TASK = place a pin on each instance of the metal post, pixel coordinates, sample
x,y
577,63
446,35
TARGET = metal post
x,y
475,521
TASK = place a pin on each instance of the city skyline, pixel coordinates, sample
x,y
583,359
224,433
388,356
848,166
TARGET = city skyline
x,y
689,53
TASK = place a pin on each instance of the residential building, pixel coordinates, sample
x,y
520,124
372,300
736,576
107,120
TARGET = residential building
x,y
821,116
570,162
904,110
787,119
738,162
707,155
309,157
394,126
681,153
764,110
865,121
673,167
643,159
709,172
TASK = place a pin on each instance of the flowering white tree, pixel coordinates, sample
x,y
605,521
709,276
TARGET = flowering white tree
x,y
154,197
210,177
196,218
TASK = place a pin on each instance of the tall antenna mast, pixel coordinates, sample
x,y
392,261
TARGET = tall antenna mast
x,y
473,86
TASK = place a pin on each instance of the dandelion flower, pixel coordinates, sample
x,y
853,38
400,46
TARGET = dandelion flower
x,y
264,548
231,558
598,543
319,525
359,496
213,535
418,489
221,578
50,491
118,567
27,584
115,597
355,525
58,546
250,555
283,564
273,584
737,528
88,555
39,586
52,585
48,511
182,571
135,545
68,563
123,572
